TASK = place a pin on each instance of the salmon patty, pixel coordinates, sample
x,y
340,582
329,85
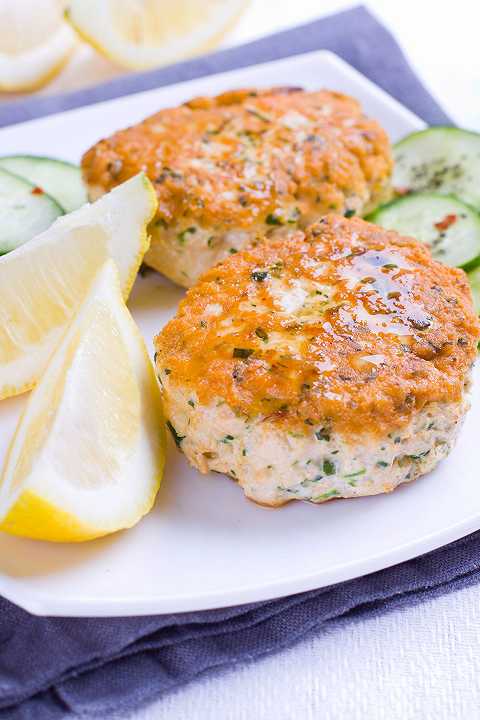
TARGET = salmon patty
x,y
245,164
334,363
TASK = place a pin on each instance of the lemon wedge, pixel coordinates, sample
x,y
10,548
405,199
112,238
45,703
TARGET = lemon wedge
x,y
88,453
142,34
35,43
44,281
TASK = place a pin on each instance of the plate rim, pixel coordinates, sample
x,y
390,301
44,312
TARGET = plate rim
x,y
39,603
327,55
43,606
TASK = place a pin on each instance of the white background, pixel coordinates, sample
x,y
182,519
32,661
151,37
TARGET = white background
x,y
422,663
416,664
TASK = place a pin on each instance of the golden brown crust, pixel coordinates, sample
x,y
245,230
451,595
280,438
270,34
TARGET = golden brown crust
x,y
371,330
235,160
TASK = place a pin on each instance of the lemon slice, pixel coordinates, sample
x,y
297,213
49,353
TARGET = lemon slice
x,y
141,34
88,454
35,43
44,281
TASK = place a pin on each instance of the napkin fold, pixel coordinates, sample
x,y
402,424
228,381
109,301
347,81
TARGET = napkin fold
x,y
52,668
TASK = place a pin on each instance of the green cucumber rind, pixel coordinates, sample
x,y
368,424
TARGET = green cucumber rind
x,y
472,196
45,197
27,156
68,189
474,279
376,215
471,265
434,128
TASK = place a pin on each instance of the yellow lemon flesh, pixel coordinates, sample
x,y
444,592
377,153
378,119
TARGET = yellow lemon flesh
x,y
141,34
44,281
88,454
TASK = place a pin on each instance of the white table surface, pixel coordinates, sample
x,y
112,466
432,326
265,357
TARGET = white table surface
x,y
415,664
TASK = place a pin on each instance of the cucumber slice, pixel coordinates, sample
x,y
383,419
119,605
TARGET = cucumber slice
x,y
444,160
449,227
60,179
474,278
24,212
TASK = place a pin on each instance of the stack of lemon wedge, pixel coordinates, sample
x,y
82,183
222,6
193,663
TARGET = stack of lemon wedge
x,y
37,37
35,43
141,34
88,453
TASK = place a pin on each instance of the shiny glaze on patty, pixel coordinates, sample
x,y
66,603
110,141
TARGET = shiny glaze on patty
x,y
344,325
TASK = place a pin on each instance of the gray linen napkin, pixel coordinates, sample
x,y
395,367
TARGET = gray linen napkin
x,y
54,668
355,35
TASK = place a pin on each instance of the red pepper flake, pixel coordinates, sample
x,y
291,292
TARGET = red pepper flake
x,y
402,191
446,222
37,190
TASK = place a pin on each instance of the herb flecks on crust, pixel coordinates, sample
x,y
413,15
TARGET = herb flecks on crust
x,y
359,328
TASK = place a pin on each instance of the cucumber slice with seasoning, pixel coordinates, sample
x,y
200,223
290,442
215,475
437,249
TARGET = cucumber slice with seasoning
x,y
444,160
60,179
25,211
474,278
449,227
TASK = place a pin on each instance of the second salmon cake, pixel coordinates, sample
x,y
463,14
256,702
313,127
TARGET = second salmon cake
x,y
243,165
334,363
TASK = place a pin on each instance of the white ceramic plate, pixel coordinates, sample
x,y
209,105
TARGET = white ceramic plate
x,y
204,545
